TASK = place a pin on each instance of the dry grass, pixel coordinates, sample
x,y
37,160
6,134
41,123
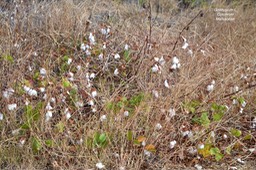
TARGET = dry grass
x,y
41,34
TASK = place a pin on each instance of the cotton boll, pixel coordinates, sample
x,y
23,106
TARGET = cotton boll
x,y
92,75
172,144
117,56
99,165
69,61
126,113
48,115
8,93
210,87
155,68
158,126
92,39
103,118
126,47
185,45
166,84
155,93
83,47
175,60
116,72
12,107
1,116
172,112
94,94
42,71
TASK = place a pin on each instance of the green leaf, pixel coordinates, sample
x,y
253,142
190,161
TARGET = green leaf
x,y
49,143
36,145
65,58
248,137
8,58
102,138
127,55
217,116
66,83
216,152
204,120
236,132
129,135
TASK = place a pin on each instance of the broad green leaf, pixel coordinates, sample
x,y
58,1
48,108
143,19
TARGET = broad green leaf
x,y
8,58
66,83
36,145
127,55
216,152
49,143
248,137
236,132
217,116
102,138
204,120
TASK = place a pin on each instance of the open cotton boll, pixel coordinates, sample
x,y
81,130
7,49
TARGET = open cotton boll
x,y
83,47
126,47
69,61
42,71
1,116
116,72
99,165
155,93
117,56
158,126
126,113
172,112
8,93
12,106
155,68
185,45
210,87
172,144
94,93
92,39
103,118
175,60
166,84
48,115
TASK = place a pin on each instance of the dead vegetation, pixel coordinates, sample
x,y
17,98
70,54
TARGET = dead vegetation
x,y
152,106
